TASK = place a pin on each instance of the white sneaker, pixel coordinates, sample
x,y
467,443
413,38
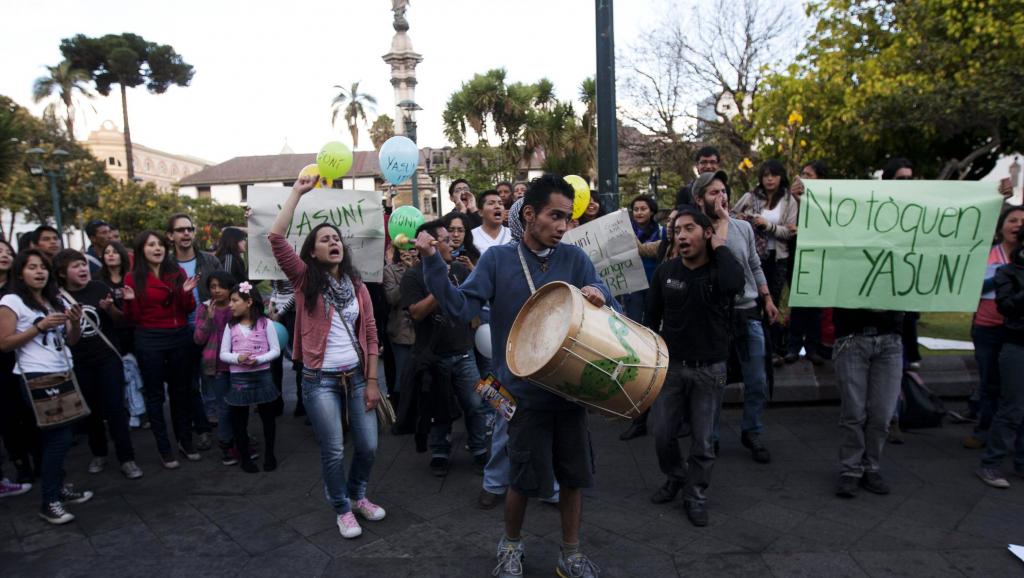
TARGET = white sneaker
x,y
348,526
97,464
131,470
369,510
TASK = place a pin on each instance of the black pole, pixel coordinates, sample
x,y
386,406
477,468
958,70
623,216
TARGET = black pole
x,y
607,137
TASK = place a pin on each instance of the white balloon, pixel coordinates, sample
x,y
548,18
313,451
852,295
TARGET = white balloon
x,y
483,340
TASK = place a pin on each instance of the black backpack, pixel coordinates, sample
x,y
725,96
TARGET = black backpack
x,y
919,407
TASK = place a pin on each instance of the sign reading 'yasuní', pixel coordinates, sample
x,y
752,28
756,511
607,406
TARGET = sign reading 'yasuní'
x,y
901,245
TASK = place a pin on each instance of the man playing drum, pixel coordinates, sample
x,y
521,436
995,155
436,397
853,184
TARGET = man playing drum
x,y
548,436
690,302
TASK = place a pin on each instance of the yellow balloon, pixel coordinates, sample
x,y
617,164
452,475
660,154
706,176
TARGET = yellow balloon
x,y
311,171
582,195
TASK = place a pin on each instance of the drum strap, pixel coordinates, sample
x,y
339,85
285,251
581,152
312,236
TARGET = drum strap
x,y
526,270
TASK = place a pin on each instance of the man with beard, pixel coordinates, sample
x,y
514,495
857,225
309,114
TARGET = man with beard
x,y
547,434
689,304
710,190
491,232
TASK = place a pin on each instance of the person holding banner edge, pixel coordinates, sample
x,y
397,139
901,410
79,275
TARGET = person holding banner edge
x,y
546,429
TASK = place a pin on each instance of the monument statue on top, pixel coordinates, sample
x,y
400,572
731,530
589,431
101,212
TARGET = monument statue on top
x,y
399,7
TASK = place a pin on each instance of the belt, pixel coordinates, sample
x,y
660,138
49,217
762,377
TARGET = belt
x,y
873,332
696,364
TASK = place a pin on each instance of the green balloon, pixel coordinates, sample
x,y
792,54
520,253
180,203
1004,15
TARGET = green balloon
x,y
403,224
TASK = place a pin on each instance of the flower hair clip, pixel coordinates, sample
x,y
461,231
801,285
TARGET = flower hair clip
x,y
244,287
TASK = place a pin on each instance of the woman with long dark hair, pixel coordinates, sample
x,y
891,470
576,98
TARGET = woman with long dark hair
x,y
35,324
231,250
158,299
772,211
461,241
17,426
336,342
116,266
642,210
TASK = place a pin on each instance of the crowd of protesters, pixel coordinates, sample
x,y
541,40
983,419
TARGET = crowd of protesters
x,y
165,329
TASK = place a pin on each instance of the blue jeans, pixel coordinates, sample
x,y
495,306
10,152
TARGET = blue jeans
x,y
327,399
464,378
56,442
401,353
755,379
1008,425
868,372
988,341
214,387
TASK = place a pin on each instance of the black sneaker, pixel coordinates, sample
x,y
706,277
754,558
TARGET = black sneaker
x,y
55,513
439,467
667,492
848,486
205,442
873,482
250,467
69,495
270,463
486,500
479,463
752,441
697,513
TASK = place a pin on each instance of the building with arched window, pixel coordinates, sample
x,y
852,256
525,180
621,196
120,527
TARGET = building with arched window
x,y
151,166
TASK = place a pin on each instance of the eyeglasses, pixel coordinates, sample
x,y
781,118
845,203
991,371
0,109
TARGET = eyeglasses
x,y
184,229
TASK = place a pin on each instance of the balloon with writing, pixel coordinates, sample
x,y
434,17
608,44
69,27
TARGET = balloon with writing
x,y
398,159
334,161
311,171
582,198
403,224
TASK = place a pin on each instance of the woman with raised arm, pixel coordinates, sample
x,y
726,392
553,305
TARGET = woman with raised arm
x,y
335,339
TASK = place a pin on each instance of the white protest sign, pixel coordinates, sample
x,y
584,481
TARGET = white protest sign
x,y
357,214
611,244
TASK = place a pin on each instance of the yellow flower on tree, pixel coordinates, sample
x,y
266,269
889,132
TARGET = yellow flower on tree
x,y
746,164
795,118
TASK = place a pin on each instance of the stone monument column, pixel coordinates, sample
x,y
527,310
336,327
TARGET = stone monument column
x,y
403,60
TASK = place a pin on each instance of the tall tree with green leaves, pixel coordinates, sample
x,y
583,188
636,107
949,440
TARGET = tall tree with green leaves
x,y
381,130
127,60
353,105
66,81
929,80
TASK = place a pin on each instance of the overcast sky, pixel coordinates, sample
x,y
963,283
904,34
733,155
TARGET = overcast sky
x,y
265,71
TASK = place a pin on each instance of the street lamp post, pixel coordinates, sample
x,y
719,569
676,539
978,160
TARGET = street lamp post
x,y
409,109
37,169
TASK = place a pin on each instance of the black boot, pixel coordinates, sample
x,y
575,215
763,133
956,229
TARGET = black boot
x,y
697,513
667,492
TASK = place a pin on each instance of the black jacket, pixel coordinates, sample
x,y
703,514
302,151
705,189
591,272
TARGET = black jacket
x,y
1009,282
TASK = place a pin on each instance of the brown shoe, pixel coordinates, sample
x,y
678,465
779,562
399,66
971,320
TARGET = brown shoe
x,y
487,500
972,442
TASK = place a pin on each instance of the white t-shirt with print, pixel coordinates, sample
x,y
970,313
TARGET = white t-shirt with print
x,y
47,352
483,241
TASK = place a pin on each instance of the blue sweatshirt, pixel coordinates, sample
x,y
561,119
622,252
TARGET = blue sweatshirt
x,y
498,279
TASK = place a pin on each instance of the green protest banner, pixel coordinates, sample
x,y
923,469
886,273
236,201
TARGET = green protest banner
x,y
357,214
901,245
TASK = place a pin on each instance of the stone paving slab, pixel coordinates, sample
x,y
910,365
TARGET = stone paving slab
x,y
779,519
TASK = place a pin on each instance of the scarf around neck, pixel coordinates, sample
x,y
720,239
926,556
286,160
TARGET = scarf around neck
x,y
339,293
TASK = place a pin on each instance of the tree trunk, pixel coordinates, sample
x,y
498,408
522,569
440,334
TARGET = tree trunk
x,y
127,135
69,121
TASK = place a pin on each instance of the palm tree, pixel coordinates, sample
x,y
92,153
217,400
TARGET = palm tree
x,y
354,111
65,80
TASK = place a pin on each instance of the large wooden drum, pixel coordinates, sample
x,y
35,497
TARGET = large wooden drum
x,y
586,354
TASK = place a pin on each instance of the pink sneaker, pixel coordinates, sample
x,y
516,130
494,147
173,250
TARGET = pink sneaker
x,y
8,489
369,510
348,526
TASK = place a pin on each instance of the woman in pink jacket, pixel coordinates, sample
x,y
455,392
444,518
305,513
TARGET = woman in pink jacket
x,y
335,340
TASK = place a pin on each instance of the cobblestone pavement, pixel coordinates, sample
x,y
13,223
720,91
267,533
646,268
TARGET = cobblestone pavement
x,y
779,519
